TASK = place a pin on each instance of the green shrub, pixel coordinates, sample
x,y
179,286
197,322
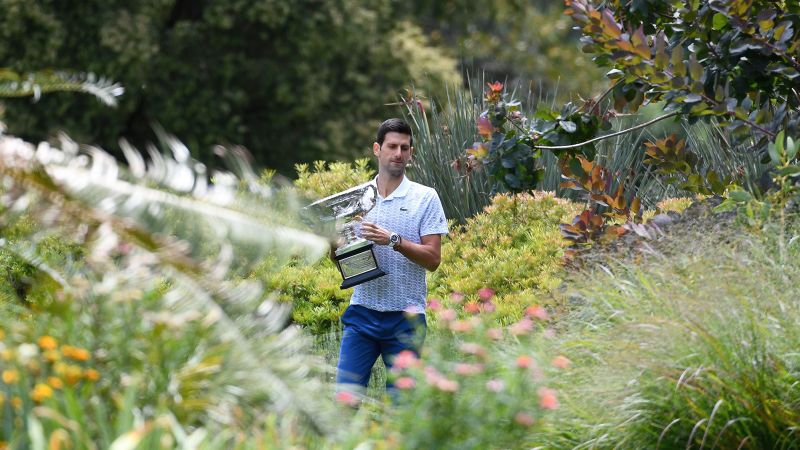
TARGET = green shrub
x,y
326,179
313,291
514,247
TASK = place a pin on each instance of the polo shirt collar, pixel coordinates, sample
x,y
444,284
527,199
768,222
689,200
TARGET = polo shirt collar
x,y
400,191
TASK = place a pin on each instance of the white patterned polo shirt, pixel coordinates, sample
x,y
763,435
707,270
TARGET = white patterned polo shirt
x,y
412,211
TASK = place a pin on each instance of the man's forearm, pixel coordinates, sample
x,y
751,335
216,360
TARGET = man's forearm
x,y
421,254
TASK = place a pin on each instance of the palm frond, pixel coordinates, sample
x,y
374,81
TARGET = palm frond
x,y
13,84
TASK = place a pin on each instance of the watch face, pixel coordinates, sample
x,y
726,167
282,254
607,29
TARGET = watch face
x,y
393,239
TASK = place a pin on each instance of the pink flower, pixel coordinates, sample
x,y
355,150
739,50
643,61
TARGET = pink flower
x,y
485,294
472,308
447,315
537,312
460,326
472,348
524,419
457,297
547,398
466,369
434,304
522,327
347,398
561,362
404,360
447,385
495,385
488,307
524,362
405,383
494,334
432,376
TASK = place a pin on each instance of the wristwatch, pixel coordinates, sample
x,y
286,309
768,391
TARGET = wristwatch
x,y
394,239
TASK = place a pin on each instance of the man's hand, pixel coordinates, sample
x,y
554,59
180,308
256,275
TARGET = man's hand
x,y
375,233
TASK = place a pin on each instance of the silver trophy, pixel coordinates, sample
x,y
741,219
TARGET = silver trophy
x,y
354,257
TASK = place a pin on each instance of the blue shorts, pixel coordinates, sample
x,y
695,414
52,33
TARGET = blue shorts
x,y
368,334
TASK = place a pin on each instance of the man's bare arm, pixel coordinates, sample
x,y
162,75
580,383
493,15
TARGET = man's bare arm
x,y
427,253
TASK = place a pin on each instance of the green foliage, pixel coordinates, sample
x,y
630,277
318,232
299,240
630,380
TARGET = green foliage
x,y
324,179
478,387
439,162
525,42
144,338
312,290
695,349
514,248
290,80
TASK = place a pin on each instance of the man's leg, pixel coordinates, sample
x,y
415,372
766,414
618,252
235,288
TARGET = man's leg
x,y
407,333
357,355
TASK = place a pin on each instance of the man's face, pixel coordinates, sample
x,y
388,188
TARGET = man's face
x,y
394,154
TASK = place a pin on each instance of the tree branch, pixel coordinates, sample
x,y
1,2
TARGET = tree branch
x,y
606,136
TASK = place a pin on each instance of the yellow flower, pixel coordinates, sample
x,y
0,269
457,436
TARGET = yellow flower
x,y
78,354
47,343
52,355
41,392
55,382
73,374
7,354
10,376
92,375
16,402
60,368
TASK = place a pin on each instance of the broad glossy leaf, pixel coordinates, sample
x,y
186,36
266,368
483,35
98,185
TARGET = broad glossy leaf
x,y
719,21
568,126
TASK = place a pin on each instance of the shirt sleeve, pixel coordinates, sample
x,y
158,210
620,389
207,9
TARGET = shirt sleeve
x,y
433,219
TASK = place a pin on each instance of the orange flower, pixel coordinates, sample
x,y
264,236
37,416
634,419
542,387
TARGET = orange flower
x,y
524,362
47,343
78,354
537,312
73,374
496,86
41,392
561,362
10,376
472,308
55,382
485,127
547,398
92,375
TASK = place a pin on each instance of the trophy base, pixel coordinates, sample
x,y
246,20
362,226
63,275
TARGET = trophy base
x,y
357,264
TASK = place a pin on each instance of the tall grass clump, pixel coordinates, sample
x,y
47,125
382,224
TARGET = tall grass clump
x,y
697,349
441,137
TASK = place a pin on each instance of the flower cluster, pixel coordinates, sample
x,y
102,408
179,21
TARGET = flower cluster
x,y
33,372
474,369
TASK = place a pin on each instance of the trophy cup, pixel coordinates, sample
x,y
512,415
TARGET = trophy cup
x,y
355,257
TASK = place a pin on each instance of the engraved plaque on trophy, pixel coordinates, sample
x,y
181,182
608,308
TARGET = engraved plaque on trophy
x,y
354,257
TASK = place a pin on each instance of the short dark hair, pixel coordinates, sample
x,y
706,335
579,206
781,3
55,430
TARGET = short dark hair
x,y
393,125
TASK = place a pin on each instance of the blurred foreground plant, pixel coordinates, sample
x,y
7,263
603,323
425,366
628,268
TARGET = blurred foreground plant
x,y
176,348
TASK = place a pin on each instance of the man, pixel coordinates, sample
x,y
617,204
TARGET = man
x,y
387,315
